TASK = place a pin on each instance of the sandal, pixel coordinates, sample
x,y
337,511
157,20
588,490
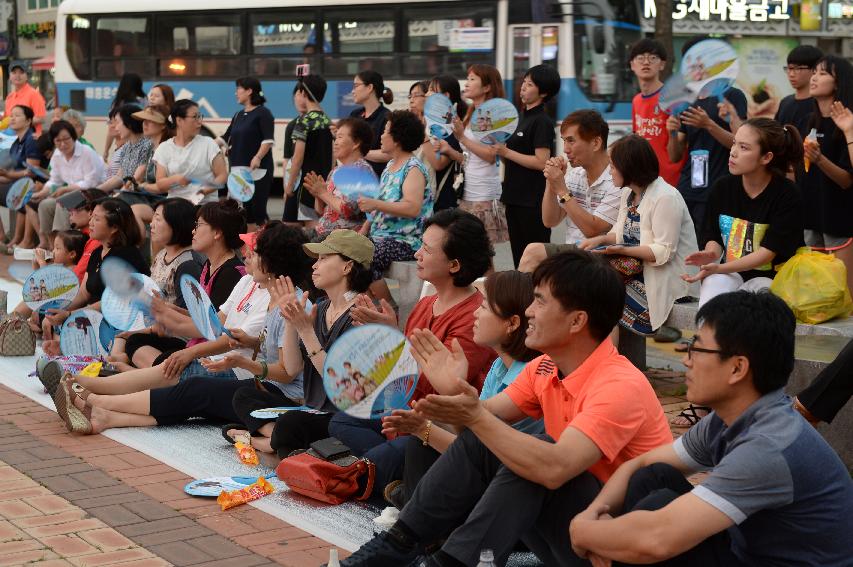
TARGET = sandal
x,y
232,440
75,420
690,415
80,392
50,375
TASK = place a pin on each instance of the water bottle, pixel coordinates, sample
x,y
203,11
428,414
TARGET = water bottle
x,y
487,558
333,558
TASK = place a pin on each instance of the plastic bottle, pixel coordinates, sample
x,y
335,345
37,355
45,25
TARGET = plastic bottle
x,y
333,558
487,558
810,139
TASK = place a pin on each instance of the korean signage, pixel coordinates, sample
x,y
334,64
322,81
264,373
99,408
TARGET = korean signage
x,y
40,30
724,10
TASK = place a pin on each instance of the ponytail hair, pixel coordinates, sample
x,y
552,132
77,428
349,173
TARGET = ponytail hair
x,y
448,85
784,142
375,80
179,110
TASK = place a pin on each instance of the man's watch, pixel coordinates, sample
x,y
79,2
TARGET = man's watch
x,y
563,198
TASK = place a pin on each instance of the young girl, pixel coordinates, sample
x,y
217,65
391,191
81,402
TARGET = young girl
x,y
482,176
754,217
828,184
67,250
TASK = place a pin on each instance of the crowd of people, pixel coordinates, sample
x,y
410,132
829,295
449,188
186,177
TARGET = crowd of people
x,y
526,428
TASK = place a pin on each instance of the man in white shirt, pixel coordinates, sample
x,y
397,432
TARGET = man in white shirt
x,y
583,194
73,166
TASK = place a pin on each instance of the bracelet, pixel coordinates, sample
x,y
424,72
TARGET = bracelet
x,y
265,369
315,353
426,433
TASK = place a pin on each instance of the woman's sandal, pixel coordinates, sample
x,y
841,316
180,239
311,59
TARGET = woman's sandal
x,y
690,415
75,420
243,437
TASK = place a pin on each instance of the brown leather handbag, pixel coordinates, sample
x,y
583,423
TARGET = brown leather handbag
x,y
331,481
16,338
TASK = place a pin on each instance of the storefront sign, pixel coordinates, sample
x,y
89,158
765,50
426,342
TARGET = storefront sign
x,y
472,39
40,30
839,10
724,10
810,15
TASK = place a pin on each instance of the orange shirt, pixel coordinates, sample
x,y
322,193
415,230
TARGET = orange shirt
x,y
27,96
606,398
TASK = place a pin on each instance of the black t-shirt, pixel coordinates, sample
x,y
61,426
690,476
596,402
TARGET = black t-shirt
x,y
796,112
245,134
828,207
446,195
377,122
94,283
523,186
225,279
742,225
701,139
287,151
313,129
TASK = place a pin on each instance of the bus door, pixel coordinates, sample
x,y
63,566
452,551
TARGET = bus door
x,y
537,44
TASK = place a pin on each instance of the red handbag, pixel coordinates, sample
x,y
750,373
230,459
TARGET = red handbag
x,y
333,482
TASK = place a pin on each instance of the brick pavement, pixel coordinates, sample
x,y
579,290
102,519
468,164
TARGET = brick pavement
x,y
92,501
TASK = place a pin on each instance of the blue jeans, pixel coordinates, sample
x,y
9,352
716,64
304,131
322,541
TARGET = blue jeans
x,y
195,368
365,439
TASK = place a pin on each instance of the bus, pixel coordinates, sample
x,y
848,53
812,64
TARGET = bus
x,y
200,46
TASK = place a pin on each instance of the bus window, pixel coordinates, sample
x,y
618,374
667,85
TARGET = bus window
x,y
208,34
355,32
122,37
282,33
78,45
604,32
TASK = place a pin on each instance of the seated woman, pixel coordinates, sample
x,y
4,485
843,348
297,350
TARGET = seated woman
x,y
136,147
173,235
24,151
73,166
755,220
112,224
353,138
190,165
405,199
455,252
341,271
651,239
500,324
244,309
278,253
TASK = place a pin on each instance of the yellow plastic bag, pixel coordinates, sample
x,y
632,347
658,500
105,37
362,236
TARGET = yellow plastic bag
x,y
92,370
814,285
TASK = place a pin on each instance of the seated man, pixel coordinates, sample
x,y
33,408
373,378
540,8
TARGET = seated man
x,y
776,494
578,188
495,485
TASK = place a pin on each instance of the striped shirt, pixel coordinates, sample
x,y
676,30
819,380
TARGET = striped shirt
x,y
600,199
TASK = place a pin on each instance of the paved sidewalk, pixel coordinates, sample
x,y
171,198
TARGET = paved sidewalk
x,y
72,500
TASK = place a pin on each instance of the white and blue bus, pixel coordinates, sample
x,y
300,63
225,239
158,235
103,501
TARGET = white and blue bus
x,y
200,46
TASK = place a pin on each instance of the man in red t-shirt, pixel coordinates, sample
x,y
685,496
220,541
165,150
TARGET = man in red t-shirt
x,y
495,485
648,59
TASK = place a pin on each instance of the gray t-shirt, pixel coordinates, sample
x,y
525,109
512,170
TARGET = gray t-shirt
x,y
273,341
785,489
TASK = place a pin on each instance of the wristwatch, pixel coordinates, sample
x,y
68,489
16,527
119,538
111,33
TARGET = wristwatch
x,y
563,198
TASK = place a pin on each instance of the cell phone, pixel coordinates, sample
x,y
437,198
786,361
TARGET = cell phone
x,y
303,70
330,448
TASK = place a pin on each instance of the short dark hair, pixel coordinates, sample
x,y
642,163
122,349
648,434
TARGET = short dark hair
x,y
807,55
176,212
57,127
767,341
119,215
251,83
280,253
583,281
312,86
546,78
510,293
360,131
44,143
590,125
466,241
647,45
74,241
125,113
406,129
359,277
28,112
634,158
228,218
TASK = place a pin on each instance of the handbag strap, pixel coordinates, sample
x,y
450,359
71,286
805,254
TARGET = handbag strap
x,y
371,477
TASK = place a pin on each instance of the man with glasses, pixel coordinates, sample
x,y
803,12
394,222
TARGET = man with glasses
x,y
775,494
648,60
797,108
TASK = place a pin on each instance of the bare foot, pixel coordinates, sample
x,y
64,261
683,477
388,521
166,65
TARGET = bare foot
x,y
261,444
119,357
99,418
51,347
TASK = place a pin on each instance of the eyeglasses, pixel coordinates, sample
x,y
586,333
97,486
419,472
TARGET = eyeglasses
x,y
691,348
354,85
414,96
63,140
198,117
792,68
647,58
199,224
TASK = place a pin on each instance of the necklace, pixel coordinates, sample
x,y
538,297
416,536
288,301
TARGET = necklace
x,y
245,300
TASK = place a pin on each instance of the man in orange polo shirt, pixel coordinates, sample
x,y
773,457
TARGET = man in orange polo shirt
x,y
24,94
496,485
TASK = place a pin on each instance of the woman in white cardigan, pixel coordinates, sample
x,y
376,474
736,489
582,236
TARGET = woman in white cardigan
x,y
651,239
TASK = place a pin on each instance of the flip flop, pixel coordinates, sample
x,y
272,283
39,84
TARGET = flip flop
x,y
75,420
50,375
691,415
226,428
